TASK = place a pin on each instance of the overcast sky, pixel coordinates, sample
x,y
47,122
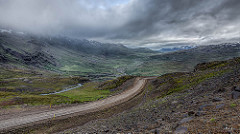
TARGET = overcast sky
x,y
149,23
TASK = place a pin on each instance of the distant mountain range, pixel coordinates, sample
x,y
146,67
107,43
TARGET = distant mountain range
x,y
84,57
66,55
185,60
173,49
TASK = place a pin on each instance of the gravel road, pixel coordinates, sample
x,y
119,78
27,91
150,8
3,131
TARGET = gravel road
x,y
81,109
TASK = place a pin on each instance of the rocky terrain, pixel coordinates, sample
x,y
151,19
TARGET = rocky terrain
x,y
206,100
38,58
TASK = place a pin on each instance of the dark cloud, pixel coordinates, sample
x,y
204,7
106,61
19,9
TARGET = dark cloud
x,y
148,23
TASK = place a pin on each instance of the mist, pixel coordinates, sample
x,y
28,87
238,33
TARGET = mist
x,y
135,23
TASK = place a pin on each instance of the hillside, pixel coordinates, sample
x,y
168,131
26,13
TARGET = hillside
x,y
66,55
176,101
70,56
185,60
120,66
206,100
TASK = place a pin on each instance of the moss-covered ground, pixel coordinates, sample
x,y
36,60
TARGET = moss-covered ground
x,y
25,87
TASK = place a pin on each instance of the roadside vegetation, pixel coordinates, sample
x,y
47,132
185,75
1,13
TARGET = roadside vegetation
x,y
96,90
25,88
177,82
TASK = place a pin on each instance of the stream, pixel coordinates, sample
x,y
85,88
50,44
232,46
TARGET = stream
x,y
64,90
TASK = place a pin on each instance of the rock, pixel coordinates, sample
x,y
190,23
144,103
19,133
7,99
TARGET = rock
x,y
203,106
237,88
155,131
235,95
220,90
25,80
2,58
166,118
179,106
174,102
106,131
191,113
220,106
199,113
119,130
186,120
100,98
180,130
217,99
145,127
159,122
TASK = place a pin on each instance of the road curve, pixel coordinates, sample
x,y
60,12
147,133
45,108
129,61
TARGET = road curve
x,y
81,109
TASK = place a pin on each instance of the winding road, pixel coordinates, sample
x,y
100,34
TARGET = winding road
x,y
80,109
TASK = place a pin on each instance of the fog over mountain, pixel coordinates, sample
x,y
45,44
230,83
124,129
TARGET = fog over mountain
x,y
148,23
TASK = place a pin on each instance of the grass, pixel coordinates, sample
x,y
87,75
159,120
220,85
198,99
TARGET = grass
x,y
176,82
88,92
112,84
19,86
9,99
90,64
211,65
212,120
15,73
188,82
94,90
26,81
233,105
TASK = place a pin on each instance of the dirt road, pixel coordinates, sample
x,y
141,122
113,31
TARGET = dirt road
x,y
81,109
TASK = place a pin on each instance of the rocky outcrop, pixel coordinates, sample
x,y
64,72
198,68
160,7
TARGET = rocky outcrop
x,y
3,59
37,58
236,92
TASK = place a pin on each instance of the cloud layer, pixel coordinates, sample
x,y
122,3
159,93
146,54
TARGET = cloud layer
x,y
150,23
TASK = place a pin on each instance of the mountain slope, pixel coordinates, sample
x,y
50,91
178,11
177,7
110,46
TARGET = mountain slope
x,y
66,55
71,56
206,100
185,60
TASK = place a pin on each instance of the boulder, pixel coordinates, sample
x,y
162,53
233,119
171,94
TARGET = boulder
x,y
237,88
220,106
180,130
217,99
235,95
186,120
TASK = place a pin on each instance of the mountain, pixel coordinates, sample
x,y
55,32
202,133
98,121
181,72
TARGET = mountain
x,y
66,55
183,92
71,56
185,60
173,49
